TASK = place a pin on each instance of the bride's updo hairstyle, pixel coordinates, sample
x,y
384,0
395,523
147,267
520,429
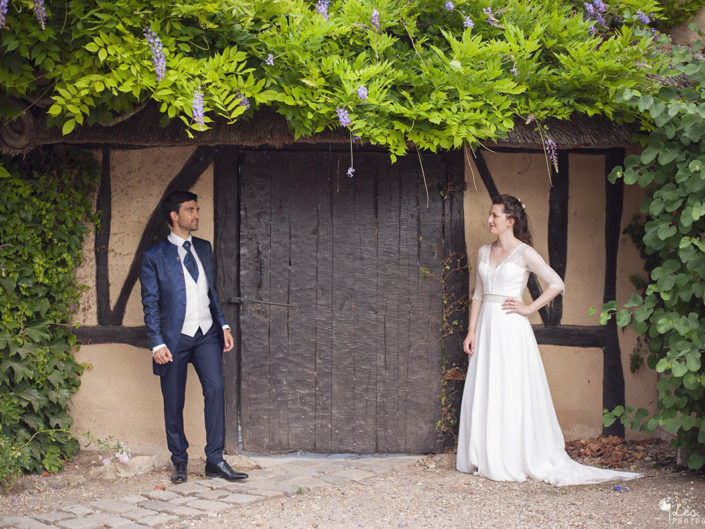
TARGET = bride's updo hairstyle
x,y
514,209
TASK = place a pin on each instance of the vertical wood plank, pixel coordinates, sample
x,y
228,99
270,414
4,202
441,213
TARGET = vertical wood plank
x,y
344,314
302,289
389,418
254,283
365,284
280,372
323,365
226,247
423,410
411,315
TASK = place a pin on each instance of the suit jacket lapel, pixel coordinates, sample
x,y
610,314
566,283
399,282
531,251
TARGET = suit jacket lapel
x,y
172,261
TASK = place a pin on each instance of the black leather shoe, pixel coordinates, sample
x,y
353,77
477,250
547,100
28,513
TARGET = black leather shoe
x,y
179,473
223,470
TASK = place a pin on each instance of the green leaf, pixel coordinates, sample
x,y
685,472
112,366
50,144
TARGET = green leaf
x,y
696,460
634,301
68,126
8,284
38,331
624,316
692,361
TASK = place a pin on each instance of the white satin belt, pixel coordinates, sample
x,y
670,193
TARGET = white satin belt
x,y
496,298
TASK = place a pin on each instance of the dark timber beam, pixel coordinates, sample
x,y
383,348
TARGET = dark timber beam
x,y
558,230
136,336
156,227
102,244
226,243
613,379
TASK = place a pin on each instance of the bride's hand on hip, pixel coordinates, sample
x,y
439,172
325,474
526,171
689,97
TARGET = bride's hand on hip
x,y
469,343
516,305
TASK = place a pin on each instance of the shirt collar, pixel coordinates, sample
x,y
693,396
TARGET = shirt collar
x,y
178,241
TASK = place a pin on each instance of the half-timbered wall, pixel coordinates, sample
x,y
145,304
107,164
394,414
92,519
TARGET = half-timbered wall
x,y
120,397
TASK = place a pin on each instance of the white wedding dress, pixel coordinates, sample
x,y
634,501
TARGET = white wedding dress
x,y
508,425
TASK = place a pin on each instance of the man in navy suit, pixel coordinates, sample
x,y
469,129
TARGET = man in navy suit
x,y
186,324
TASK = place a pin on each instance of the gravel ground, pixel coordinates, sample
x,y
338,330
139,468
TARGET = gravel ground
x,y
429,493
434,495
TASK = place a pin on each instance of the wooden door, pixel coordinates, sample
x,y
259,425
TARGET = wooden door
x,y
340,335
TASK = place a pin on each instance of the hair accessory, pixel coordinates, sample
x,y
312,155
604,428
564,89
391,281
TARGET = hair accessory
x,y
522,204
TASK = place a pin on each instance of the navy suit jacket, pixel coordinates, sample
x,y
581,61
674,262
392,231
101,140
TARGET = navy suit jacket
x,y
164,294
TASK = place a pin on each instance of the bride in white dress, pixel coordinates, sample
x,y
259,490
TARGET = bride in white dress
x,y
508,425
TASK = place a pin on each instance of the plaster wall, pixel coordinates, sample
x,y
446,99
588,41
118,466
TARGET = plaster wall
x,y
682,34
119,395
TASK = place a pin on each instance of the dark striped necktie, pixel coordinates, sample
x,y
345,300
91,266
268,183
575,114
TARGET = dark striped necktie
x,y
190,261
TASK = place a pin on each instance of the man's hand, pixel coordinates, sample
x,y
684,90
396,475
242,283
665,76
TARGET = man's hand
x,y
163,355
229,342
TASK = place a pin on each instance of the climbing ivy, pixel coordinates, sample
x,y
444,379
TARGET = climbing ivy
x,y
44,205
668,310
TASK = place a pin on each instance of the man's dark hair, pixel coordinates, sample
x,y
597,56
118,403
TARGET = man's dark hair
x,y
173,201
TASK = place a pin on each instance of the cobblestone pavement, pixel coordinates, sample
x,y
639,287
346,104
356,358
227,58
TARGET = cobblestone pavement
x,y
200,498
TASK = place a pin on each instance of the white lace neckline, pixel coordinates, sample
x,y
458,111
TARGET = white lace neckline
x,y
509,255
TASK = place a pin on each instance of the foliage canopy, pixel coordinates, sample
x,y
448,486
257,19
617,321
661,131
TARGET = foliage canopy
x,y
437,74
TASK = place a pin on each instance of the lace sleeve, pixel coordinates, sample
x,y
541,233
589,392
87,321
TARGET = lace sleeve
x,y
479,292
535,263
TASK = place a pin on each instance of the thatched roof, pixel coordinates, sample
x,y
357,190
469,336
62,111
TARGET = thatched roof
x,y
269,128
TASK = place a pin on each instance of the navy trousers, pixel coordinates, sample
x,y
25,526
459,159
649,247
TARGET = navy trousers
x,y
205,353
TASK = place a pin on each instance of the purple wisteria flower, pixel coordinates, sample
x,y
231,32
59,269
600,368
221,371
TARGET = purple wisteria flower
x,y
593,11
450,6
374,19
3,12
490,17
155,46
351,172
269,61
514,71
599,5
619,488
197,106
643,18
552,151
322,8
343,116
362,92
530,119
40,13
244,102
468,23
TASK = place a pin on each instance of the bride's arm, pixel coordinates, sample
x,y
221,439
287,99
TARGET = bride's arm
x,y
535,263
469,342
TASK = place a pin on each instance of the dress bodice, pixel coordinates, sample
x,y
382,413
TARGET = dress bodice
x,y
509,277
